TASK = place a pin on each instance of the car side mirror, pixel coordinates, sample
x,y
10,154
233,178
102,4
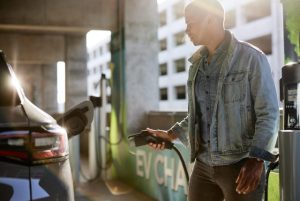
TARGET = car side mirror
x,y
77,119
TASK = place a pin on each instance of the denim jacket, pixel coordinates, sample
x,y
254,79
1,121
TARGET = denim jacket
x,y
246,112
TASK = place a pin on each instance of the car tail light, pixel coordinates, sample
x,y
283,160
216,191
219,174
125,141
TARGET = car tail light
x,y
36,147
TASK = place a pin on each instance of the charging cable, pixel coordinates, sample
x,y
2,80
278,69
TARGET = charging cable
x,y
144,138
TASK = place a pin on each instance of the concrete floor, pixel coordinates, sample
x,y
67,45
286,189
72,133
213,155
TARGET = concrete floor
x,y
98,191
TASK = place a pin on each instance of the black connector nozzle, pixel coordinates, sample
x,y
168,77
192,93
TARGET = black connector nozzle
x,y
144,138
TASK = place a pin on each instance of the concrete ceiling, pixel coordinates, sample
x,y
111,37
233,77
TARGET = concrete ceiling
x,y
38,31
67,16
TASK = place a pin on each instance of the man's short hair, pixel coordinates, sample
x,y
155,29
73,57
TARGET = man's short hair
x,y
213,7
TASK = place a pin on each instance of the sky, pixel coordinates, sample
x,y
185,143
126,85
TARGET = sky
x,y
95,36
160,1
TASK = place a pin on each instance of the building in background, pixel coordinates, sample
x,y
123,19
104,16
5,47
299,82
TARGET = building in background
x,y
99,57
258,22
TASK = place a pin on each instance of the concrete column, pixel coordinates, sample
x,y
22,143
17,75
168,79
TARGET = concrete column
x,y
141,53
39,85
277,42
76,89
49,88
76,70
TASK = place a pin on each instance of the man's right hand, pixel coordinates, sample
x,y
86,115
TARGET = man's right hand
x,y
161,134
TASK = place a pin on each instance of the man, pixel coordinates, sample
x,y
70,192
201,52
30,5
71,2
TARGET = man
x,y
232,111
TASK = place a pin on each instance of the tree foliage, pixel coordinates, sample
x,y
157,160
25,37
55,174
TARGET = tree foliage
x,y
292,17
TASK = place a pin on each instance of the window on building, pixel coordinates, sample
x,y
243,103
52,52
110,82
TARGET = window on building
x,y
163,18
108,47
163,44
163,94
163,69
257,9
109,102
180,92
95,54
180,65
179,38
100,50
230,19
264,43
95,70
178,10
96,85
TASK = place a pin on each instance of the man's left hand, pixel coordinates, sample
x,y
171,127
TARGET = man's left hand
x,y
249,176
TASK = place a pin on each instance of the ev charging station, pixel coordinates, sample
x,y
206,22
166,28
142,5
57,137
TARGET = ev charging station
x,y
289,138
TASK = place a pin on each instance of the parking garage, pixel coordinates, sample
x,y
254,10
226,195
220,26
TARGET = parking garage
x,y
40,38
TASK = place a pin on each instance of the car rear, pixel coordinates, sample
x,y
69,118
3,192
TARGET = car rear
x,y
34,163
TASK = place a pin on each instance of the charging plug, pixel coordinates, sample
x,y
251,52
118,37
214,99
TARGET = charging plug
x,y
144,138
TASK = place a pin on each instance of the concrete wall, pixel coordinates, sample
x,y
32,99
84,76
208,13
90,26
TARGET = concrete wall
x,y
76,70
39,84
76,88
141,45
34,56
32,48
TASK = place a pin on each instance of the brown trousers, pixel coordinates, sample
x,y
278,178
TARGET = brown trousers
x,y
218,183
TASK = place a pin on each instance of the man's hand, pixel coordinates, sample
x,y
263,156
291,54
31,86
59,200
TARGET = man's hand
x,y
161,134
249,176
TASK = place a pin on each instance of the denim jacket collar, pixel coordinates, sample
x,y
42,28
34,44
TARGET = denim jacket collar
x,y
198,55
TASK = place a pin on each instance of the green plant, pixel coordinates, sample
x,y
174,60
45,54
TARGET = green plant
x,y
273,190
292,17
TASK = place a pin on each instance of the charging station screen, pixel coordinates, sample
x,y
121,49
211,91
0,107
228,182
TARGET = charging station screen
x,y
292,107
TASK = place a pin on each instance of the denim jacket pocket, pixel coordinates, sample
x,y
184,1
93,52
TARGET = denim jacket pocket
x,y
234,87
230,136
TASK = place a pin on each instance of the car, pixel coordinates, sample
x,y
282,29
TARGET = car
x,y
34,152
